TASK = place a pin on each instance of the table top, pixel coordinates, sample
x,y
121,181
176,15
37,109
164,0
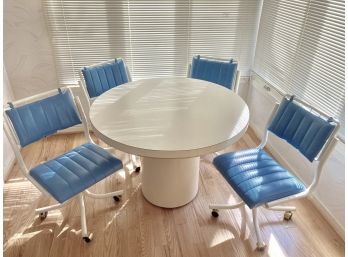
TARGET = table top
x,y
169,117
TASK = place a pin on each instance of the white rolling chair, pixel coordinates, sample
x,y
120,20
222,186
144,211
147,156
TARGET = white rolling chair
x,y
70,174
259,180
101,77
220,71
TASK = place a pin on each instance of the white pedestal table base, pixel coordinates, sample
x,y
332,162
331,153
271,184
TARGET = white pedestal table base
x,y
170,183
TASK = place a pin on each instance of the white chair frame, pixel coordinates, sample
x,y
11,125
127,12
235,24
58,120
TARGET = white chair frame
x,y
274,205
236,80
83,87
14,141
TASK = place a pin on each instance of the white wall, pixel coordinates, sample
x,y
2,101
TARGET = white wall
x,y
243,88
28,55
7,150
329,195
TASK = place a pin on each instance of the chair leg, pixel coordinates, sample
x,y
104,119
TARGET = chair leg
x,y
288,210
282,208
116,195
48,208
133,159
216,207
43,211
260,245
132,163
85,236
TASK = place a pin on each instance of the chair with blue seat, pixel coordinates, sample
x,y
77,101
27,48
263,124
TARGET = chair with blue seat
x,y
259,180
70,174
101,77
218,71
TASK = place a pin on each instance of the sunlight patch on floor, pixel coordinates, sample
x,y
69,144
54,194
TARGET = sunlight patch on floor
x,y
23,237
274,249
122,207
221,236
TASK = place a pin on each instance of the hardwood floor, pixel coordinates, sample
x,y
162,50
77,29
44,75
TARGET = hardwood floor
x,y
134,227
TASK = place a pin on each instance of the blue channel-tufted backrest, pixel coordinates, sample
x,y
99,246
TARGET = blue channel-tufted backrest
x,y
42,118
301,128
102,77
219,72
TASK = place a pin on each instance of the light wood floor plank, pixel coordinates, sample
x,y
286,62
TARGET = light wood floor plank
x,y
134,227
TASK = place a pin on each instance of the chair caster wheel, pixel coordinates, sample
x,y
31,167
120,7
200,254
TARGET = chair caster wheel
x,y
260,246
88,239
215,213
43,215
117,198
287,215
137,169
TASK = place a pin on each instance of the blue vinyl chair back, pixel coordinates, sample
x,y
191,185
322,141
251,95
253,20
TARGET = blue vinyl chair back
x,y
100,78
302,129
219,72
42,118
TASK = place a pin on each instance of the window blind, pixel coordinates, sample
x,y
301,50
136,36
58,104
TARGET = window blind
x,y
224,29
300,50
86,32
156,38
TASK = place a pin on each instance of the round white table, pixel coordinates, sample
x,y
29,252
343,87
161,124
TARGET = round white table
x,y
169,122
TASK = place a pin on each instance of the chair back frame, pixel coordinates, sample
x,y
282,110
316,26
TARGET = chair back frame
x,y
321,157
82,82
13,138
236,80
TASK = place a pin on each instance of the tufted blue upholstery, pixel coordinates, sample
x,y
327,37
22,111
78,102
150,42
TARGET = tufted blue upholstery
x,y
219,72
256,177
100,78
75,171
42,118
302,129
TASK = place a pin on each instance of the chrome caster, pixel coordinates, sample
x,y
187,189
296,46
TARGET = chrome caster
x,y
137,169
117,198
88,239
260,246
43,215
215,213
287,215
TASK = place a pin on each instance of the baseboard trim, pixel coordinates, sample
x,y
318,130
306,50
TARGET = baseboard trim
x,y
313,198
8,169
328,216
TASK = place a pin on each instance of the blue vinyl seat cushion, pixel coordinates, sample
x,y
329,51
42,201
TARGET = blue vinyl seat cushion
x,y
302,129
100,78
256,177
42,118
75,171
219,72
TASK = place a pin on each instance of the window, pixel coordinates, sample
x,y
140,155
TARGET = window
x,y
224,29
300,50
156,38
